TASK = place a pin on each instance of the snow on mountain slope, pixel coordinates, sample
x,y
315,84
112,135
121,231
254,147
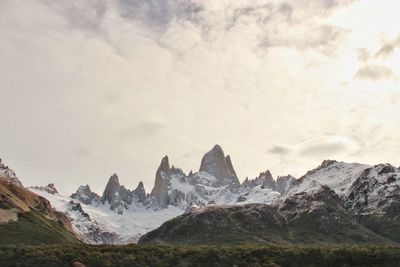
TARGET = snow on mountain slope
x,y
9,175
364,189
259,195
201,188
339,176
102,225
375,189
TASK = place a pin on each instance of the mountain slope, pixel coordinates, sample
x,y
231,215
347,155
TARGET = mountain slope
x,y
360,196
98,224
27,218
305,219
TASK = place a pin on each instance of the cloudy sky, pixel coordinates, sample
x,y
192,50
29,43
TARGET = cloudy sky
x,y
92,87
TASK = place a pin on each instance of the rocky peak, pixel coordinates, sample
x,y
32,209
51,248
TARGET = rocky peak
x,y
116,195
385,168
85,189
283,183
215,163
111,190
8,175
140,192
375,189
307,202
264,179
85,195
325,164
176,171
160,189
164,166
50,188
267,180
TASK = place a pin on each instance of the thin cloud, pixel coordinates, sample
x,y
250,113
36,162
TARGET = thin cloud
x,y
278,149
374,73
388,48
147,128
328,147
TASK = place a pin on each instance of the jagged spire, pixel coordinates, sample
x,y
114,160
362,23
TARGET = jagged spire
x,y
140,191
111,188
215,163
160,189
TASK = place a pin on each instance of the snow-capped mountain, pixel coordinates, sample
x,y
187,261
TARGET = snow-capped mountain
x,y
9,175
336,203
122,215
364,188
96,223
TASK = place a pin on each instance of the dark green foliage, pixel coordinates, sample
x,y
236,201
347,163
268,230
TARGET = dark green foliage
x,y
258,223
387,224
33,228
157,255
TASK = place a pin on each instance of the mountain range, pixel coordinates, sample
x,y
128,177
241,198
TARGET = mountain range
x,y
336,202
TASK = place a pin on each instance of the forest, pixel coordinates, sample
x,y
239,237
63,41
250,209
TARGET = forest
x,y
165,255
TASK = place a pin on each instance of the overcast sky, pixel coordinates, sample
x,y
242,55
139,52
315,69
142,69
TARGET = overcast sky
x,y
93,87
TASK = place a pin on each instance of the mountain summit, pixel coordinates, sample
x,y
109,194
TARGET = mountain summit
x,y
335,202
215,163
160,189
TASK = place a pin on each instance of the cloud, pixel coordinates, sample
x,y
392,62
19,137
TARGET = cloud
x,y
87,15
327,147
172,23
374,73
316,150
146,128
388,48
278,149
364,55
159,14
134,80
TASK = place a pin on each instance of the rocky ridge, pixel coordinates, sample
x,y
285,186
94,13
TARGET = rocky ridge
x,y
368,195
18,203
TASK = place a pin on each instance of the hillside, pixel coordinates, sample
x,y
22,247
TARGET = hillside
x,y
317,218
27,218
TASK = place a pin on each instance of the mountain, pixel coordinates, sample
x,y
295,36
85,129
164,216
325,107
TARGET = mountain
x,y
304,218
85,195
96,223
160,189
336,202
215,182
215,163
50,188
122,215
27,218
348,198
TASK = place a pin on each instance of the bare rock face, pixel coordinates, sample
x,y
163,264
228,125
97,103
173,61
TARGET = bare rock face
x,y
375,189
85,195
112,194
215,163
283,183
50,188
160,189
112,189
264,179
140,192
8,175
